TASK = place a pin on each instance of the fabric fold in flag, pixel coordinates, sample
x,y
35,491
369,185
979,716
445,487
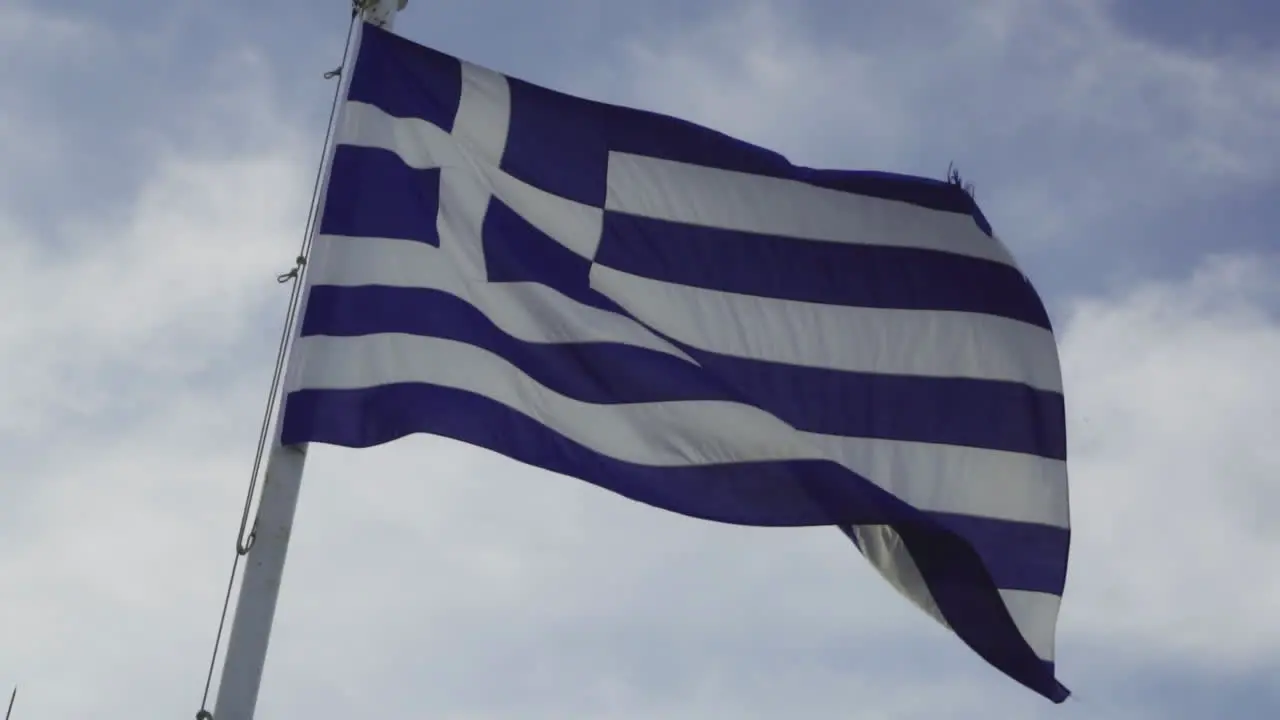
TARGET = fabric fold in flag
x,y
695,323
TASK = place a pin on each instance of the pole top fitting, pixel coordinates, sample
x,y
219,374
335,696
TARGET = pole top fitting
x,y
381,12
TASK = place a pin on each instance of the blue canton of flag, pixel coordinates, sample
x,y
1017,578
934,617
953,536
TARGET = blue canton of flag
x,y
695,323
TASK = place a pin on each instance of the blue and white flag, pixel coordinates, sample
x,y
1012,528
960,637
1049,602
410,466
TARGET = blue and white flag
x,y
695,323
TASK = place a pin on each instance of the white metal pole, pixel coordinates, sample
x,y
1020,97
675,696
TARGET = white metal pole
x,y
264,567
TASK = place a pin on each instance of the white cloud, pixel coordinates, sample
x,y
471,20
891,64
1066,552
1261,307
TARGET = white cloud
x,y
31,45
1063,119
1175,400
427,578
755,73
27,33
161,282
128,346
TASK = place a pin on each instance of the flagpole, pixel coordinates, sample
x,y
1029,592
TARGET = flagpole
x,y
264,568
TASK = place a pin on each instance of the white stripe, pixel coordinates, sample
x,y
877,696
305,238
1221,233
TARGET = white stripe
x,y
930,477
711,197
422,145
871,340
526,311
1036,615
958,479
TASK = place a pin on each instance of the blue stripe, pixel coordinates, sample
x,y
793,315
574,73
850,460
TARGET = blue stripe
x,y
976,413
769,493
561,143
815,271
919,191
774,494
372,193
1019,556
989,414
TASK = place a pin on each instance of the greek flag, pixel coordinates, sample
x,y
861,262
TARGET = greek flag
x,y
695,323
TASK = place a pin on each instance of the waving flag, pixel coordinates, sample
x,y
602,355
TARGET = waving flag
x,y
695,323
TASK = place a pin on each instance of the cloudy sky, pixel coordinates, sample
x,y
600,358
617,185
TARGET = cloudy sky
x,y
155,163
